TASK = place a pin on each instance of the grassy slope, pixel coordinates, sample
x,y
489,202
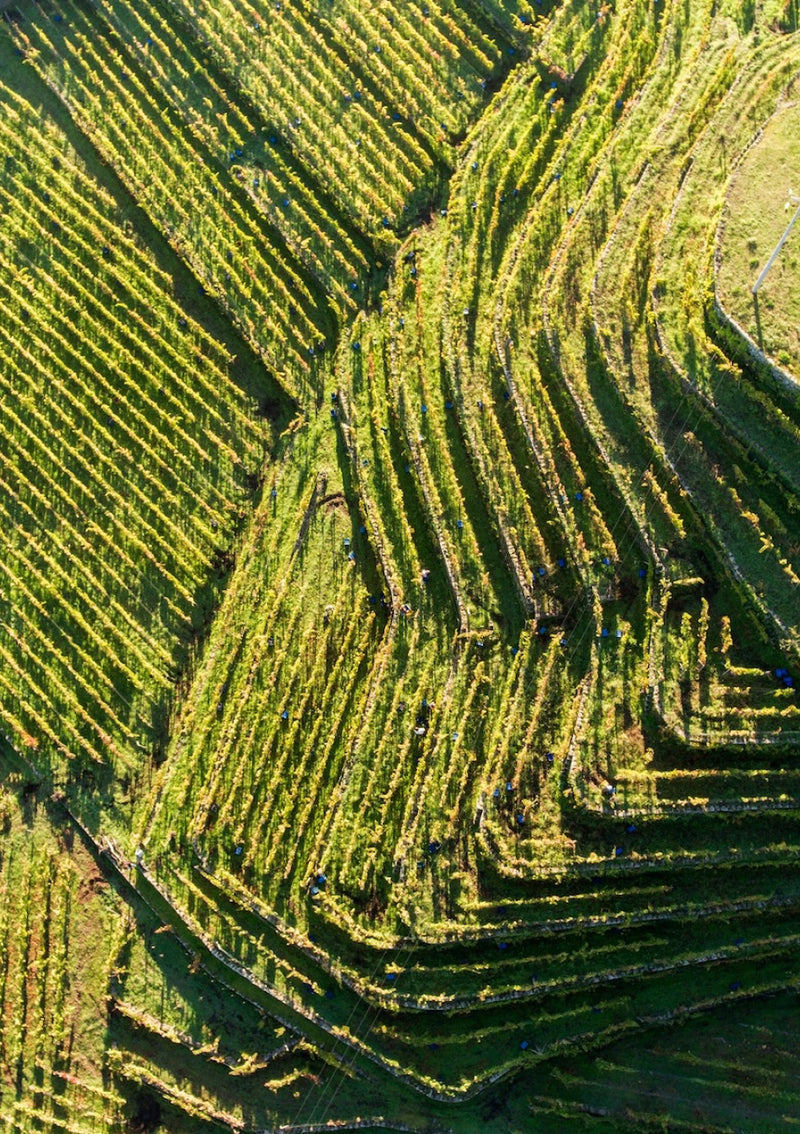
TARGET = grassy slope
x,y
751,233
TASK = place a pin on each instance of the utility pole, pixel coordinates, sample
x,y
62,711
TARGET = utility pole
x,y
793,200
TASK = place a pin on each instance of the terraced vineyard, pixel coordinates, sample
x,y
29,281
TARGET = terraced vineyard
x,y
399,604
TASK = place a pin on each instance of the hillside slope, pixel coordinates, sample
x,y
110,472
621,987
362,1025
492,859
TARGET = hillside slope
x,y
399,591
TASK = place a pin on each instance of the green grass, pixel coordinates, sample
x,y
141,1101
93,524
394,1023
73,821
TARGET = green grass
x,y
751,233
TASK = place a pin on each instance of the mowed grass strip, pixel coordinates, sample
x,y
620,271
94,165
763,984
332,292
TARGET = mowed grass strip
x,y
757,213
